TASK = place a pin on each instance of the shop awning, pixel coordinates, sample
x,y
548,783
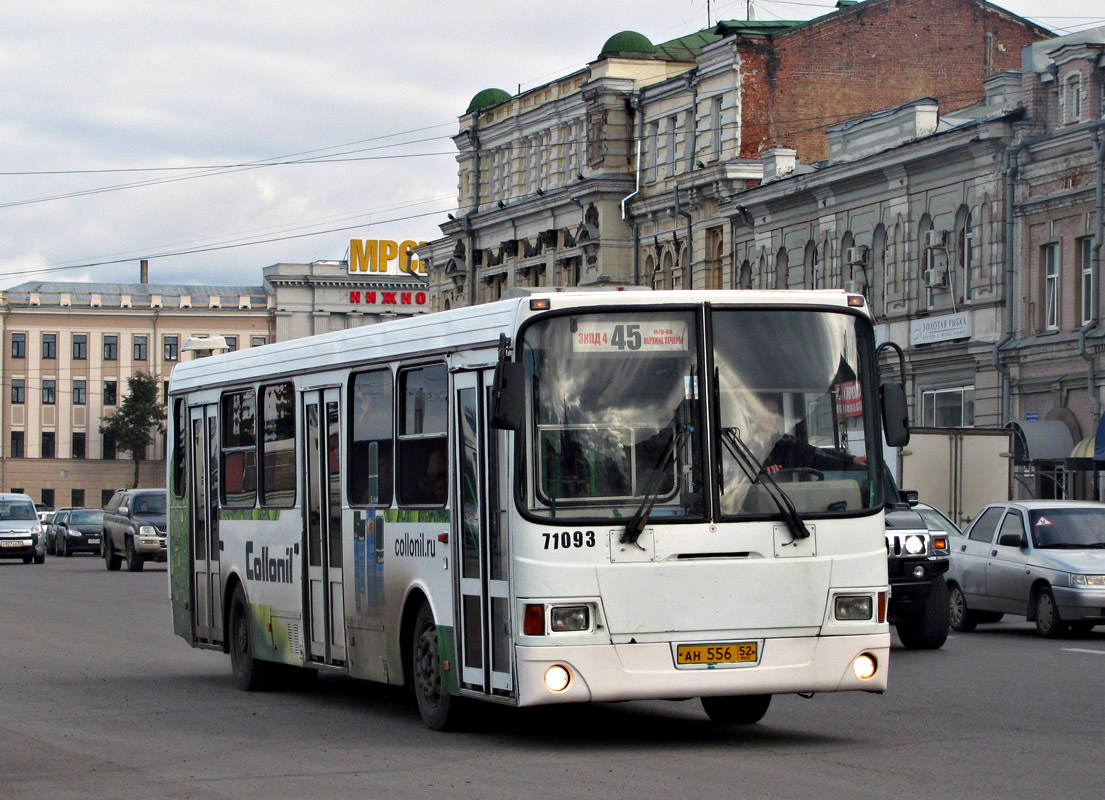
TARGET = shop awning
x,y
1040,441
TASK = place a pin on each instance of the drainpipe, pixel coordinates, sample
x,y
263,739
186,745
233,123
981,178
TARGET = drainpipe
x,y
469,260
634,108
690,251
995,355
1095,273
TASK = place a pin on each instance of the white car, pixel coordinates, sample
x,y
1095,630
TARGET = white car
x,y
1040,559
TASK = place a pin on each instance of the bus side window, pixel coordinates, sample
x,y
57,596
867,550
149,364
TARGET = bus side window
x,y
370,444
423,446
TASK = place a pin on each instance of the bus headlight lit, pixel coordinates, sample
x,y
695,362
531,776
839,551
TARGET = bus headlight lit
x,y
852,607
914,545
569,618
865,666
557,678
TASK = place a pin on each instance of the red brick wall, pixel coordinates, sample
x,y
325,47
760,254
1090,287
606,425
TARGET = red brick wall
x,y
873,56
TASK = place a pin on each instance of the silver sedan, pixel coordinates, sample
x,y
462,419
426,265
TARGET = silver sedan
x,y
1041,559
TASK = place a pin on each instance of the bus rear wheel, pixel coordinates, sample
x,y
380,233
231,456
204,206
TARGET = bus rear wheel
x,y
744,710
250,674
440,710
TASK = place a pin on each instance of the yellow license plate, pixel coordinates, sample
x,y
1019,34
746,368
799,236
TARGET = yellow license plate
x,y
695,655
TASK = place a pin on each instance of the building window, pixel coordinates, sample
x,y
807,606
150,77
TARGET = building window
x,y
967,255
1085,258
48,498
17,444
140,348
257,341
110,393
19,345
948,408
239,448
1074,98
172,345
49,345
231,343
19,391
715,128
105,496
80,346
77,500
111,347
669,145
80,393
78,444
1049,256
47,444
49,392
653,151
109,453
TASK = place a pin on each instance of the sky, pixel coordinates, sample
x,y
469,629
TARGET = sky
x,y
216,138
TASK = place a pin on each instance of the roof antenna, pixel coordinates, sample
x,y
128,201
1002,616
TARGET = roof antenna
x,y
751,10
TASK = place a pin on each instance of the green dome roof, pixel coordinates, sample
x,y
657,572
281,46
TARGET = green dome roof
x,y
486,99
627,43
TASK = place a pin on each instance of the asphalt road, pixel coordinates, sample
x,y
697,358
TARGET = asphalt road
x,y
99,699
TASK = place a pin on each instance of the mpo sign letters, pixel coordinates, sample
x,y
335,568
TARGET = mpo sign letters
x,y
384,257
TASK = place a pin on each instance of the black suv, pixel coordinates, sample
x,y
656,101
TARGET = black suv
x,y
134,528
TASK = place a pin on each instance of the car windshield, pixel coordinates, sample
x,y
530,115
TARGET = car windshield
x,y
149,504
17,510
1067,527
935,521
86,517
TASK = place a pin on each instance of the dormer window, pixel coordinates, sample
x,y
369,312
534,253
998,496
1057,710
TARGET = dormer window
x,y
1073,90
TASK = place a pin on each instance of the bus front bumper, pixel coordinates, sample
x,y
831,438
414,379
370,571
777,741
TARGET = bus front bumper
x,y
607,673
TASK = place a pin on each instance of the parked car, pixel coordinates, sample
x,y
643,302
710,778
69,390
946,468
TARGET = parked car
x,y
1040,559
48,525
134,528
21,533
937,520
78,530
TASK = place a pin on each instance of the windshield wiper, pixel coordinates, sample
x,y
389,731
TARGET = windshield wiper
x,y
636,525
755,471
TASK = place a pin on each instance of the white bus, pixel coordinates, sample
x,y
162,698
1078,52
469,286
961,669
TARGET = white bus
x,y
561,497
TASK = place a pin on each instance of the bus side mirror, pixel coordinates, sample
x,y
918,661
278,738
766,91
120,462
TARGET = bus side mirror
x,y
895,414
507,396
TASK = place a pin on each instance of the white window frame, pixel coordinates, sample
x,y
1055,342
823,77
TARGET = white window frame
x,y
1073,87
928,406
1049,255
1085,255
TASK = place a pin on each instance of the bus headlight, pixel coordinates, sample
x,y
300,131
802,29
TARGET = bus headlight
x,y
557,678
569,618
853,607
865,666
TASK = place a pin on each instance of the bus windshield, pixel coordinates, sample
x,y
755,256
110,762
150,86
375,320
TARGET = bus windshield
x,y
616,415
791,394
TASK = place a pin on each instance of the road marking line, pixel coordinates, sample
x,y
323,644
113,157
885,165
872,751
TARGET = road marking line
x,y
1081,650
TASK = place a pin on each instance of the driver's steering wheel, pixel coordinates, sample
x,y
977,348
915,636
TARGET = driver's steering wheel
x,y
801,474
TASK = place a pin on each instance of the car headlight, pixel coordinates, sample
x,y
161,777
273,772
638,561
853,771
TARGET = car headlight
x,y
851,607
1087,581
914,545
147,530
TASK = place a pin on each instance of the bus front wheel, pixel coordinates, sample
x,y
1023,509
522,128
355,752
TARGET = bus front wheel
x,y
440,710
744,710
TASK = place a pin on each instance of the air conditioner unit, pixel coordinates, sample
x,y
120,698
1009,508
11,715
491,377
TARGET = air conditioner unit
x,y
856,256
936,278
934,238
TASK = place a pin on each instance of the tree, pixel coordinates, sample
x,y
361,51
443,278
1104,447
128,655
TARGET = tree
x,y
138,417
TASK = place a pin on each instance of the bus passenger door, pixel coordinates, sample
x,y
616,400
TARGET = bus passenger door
x,y
484,615
322,509
207,611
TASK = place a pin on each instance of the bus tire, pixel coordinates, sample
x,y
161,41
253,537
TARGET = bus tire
x,y
440,710
111,559
250,674
739,710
